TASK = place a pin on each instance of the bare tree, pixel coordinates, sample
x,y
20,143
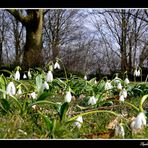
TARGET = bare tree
x,y
124,29
18,39
4,37
60,27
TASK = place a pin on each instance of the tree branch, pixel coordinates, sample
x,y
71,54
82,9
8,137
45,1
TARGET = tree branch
x,y
23,19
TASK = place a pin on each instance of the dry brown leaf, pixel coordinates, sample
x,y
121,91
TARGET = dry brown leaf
x,y
98,135
112,124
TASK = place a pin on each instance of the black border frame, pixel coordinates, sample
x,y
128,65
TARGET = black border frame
x,y
74,4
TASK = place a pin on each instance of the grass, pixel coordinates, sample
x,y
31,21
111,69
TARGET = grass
x,y
31,126
51,120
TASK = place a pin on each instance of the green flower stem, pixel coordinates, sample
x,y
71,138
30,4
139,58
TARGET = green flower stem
x,y
22,84
129,104
92,112
140,73
142,101
64,69
134,78
42,102
136,108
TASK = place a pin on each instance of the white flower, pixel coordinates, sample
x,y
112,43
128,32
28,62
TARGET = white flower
x,y
119,86
92,101
19,92
126,81
68,96
79,121
123,92
33,95
24,76
139,122
119,131
85,77
29,74
108,85
49,77
121,98
57,66
135,72
11,90
138,73
17,75
45,85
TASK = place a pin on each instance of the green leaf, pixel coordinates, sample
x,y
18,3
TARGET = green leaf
x,y
7,71
58,107
39,83
63,111
14,99
142,101
42,102
3,84
5,105
47,121
43,96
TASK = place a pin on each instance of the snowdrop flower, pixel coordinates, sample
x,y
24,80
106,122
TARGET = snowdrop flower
x,y
57,66
135,72
121,98
108,85
24,76
33,95
79,122
45,85
49,77
19,92
92,101
95,82
126,81
68,96
139,122
11,90
123,92
119,131
138,73
85,77
17,75
29,74
119,86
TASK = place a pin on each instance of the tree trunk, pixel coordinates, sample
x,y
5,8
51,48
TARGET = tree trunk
x,y
1,50
33,47
33,23
123,43
55,51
